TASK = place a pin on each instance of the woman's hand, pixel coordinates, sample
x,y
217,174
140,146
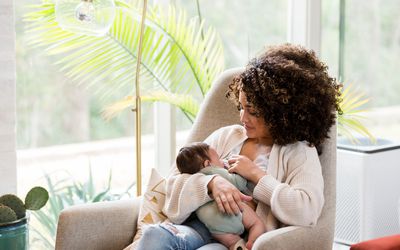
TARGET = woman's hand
x,y
246,168
226,195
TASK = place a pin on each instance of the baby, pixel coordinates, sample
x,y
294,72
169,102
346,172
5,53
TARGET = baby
x,y
200,157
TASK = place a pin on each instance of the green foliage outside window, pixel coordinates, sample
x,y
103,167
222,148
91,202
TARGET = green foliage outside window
x,y
62,194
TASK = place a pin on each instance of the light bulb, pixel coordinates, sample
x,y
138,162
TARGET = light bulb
x,y
88,17
85,11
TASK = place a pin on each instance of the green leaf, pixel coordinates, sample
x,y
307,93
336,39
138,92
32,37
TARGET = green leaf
x,y
36,198
100,196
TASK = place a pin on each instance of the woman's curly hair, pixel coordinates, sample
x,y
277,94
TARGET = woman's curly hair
x,y
290,88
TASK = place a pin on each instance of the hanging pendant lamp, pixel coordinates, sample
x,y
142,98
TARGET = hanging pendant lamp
x,y
89,17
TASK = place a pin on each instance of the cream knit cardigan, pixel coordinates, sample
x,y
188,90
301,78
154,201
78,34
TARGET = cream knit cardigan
x,y
290,194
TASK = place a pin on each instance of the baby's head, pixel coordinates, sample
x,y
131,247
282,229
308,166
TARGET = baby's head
x,y
192,158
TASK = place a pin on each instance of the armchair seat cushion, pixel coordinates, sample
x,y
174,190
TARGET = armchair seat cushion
x,y
100,225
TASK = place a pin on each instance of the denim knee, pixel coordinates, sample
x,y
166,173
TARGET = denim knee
x,y
168,236
156,238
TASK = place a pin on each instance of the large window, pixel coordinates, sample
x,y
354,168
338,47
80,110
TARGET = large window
x,y
60,130
52,109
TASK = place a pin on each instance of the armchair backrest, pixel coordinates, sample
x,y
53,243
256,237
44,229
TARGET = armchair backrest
x,y
217,111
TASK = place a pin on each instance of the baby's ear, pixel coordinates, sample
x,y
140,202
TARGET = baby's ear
x,y
207,163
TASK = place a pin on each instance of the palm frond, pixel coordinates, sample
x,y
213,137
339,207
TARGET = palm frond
x,y
114,109
186,103
204,56
350,120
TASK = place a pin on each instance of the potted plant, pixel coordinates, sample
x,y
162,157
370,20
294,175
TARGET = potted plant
x,y
14,218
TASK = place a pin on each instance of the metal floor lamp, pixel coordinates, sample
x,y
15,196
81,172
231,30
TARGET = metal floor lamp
x,y
95,17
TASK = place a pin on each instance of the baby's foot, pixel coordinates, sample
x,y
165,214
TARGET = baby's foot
x,y
249,245
240,245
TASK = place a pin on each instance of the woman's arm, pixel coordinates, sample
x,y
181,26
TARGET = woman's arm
x,y
185,193
299,199
227,196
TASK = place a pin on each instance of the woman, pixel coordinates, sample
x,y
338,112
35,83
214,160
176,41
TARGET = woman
x,y
287,104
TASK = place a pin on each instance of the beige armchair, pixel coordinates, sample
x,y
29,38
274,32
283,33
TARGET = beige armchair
x,y
111,225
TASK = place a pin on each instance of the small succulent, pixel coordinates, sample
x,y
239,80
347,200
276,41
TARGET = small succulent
x,y
7,214
13,208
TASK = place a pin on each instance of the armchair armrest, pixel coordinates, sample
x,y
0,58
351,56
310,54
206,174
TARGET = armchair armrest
x,y
101,225
294,237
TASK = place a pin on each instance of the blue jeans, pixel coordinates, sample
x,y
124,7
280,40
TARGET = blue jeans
x,y
191,235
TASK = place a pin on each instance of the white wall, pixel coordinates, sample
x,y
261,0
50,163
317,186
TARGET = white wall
x,y
8,170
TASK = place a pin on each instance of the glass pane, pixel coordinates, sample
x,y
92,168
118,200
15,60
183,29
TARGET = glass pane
x,y
245,27
371,50
330,35
53,109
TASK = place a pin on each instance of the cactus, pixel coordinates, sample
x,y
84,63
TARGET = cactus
x,y
15,203
36,198
12,208
7,214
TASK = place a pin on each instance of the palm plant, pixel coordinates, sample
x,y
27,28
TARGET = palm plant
x,y
179,54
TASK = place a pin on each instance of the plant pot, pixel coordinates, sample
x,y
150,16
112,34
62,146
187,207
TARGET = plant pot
x,y
15,235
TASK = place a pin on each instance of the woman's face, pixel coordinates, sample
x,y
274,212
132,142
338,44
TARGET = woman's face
x,y
254,125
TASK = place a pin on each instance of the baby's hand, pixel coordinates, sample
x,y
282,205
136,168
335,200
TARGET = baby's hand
x,y
226,164
246,168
